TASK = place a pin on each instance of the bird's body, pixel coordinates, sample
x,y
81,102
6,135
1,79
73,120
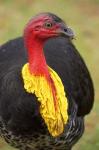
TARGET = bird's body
x,y
21,124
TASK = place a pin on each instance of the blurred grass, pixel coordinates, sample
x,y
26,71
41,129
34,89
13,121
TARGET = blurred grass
x,y
83,16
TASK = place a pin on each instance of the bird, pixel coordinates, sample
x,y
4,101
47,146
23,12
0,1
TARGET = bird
x,y
46,89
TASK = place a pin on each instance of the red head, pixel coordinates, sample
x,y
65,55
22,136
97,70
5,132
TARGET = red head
x,y
47,25
39,29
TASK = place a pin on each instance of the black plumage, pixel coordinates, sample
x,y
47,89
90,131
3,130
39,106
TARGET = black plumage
x,y
20,121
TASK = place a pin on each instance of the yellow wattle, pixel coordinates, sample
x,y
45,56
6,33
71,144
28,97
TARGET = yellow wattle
x,y
38,85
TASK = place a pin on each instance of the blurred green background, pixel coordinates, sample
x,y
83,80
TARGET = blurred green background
x,y
83,17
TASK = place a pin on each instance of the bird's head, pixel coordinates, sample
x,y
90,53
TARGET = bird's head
x,y
47,25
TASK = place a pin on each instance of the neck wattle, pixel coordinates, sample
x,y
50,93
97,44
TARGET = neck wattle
x,y
36,58
41,80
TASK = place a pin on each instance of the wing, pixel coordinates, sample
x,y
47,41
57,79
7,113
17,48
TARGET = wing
x,y
63,57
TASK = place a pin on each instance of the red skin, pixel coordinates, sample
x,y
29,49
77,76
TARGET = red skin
x,y
35,35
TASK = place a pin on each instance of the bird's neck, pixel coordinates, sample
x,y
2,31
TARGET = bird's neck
x,y
36,58
37,62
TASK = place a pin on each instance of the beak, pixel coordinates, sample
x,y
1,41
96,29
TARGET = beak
x,y
66,31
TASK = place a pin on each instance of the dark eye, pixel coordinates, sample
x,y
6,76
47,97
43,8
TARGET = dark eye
x,y
48,25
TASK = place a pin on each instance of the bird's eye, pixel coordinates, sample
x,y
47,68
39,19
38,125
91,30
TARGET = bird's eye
x,y
48,24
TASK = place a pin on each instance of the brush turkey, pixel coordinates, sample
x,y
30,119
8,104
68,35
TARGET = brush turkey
x,y
45,87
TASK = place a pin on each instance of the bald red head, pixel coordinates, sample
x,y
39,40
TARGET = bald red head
x,y
47,25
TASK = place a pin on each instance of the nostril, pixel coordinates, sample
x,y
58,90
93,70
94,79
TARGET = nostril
x,y
65,30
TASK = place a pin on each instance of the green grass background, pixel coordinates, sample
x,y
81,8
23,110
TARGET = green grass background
x,y
83,17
